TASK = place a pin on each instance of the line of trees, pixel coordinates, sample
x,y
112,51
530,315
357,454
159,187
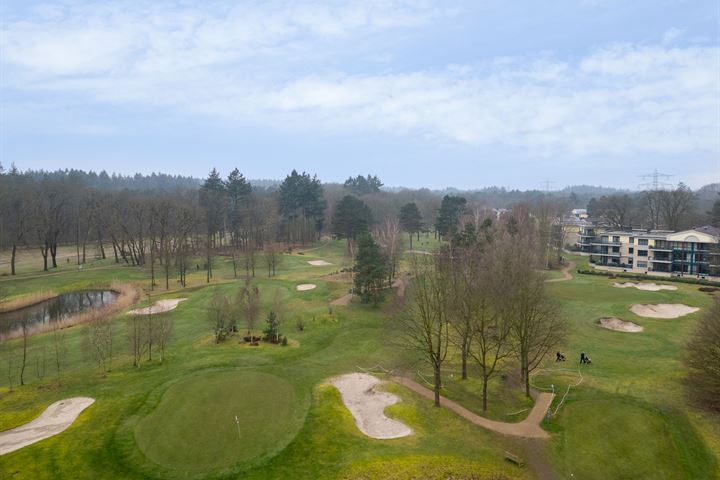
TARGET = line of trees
x,y
483,297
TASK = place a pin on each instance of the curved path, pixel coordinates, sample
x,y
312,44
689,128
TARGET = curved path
x,y
528,428
56,418
566,274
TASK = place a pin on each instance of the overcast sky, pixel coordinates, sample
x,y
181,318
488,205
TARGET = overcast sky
x,y
422,93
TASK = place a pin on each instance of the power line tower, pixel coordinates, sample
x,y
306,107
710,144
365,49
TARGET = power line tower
x,y
548,184
655,183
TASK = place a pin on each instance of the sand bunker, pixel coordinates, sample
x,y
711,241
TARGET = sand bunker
x,y
663,310
319,263
56,418
158,307
612,323
305,286
367,406
650,287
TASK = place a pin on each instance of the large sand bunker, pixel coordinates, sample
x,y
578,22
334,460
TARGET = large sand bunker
x,y
612,323
305,286
367,405
663,310
649,287
319,263
158,307
56,418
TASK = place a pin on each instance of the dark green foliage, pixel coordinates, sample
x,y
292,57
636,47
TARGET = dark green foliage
x,y
284,341
370,270
410,219
351,218
302,196
272,327
451,209
363,185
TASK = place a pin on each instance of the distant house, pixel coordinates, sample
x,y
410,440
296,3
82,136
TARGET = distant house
x,y
579,213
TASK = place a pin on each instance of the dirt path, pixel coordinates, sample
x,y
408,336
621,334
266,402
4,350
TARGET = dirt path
x,y
566,274
56,418
343,301
528,428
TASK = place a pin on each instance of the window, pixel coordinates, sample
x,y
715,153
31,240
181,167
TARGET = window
x,y
631,250
632,240
642,241
616,238
616,249
641,264
642,253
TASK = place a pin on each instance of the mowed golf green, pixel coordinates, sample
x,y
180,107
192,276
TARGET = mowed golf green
x,y
194,426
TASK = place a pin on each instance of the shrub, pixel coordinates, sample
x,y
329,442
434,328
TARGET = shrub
x,y
284,341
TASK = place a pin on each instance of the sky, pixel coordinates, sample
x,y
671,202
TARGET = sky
x,y
423,93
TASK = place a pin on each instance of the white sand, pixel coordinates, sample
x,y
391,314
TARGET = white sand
x,y
612,323
305,286
650,287
158,307
56,418
319,263
663,310
367,405
420,252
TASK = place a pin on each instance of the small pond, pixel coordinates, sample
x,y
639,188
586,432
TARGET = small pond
x,y
59,308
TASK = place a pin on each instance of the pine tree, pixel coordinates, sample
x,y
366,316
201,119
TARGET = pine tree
x,y
411,219
370,270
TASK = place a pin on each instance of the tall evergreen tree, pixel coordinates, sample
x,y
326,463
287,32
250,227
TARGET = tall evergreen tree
x,y
411,219
301,202
370,270
351,218
212,200
451,209
363,185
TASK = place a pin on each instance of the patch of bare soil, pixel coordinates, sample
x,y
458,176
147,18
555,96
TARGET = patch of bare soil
x,y
56,418
367,405
613,323
158,307
648,287
663,310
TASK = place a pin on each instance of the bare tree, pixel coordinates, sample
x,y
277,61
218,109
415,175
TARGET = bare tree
x,y
163,332
535,321
676,206
250,307
424,322
136,338
59,348
703,360
25,331
97,341
217,315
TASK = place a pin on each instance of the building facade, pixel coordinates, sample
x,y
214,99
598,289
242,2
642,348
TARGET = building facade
x,y
693,252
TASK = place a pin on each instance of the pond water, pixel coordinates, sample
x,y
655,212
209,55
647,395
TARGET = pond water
x,y
59,308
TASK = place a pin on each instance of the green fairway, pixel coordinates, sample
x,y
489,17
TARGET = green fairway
x,y
627,419
194,427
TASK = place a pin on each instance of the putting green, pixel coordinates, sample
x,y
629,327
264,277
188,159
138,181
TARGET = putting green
x,y
193,428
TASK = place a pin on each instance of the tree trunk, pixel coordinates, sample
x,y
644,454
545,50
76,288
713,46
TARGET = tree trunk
x,y
484,392
464,357
12,259
411,235
438,385
22,369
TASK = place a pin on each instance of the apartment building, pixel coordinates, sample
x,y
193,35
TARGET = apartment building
x,y
694,252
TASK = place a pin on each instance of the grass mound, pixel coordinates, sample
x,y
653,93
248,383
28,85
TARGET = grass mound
x,y
193,428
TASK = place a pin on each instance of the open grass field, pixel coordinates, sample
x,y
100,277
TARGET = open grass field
x,y
627,419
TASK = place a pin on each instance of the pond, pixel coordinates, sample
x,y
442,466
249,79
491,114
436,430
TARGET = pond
x,y
59,308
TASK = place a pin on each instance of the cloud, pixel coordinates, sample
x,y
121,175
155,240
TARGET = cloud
x,y
294,66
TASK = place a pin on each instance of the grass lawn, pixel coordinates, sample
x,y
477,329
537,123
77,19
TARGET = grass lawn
x,y
194,428
628,418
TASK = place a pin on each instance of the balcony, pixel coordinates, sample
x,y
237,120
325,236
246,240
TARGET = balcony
x,y
661,249
608,244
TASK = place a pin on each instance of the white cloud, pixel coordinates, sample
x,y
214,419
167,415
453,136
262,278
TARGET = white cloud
x,y
232,64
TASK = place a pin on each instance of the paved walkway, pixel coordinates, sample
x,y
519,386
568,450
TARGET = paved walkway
x,y
566,274
528,428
